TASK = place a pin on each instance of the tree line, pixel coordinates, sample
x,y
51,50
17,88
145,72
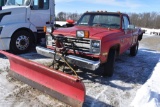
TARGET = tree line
x,y
146,19
63,16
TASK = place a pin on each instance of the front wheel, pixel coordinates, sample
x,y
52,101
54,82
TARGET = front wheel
x,y
21,42
134,49
109,65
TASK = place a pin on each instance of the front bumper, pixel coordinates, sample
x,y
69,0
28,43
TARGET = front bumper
x,y
71,59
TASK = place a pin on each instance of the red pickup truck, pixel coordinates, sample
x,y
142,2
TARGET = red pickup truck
x,y
96,39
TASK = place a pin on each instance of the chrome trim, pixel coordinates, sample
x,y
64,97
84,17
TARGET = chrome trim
x,y
45,51
83,62
71,59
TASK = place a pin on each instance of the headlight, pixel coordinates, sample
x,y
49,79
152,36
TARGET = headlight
x,y
49,40
48,29
96,44
82,34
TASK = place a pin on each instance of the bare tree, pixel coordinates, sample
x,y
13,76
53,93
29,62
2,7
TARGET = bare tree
x,y
148,20
63,16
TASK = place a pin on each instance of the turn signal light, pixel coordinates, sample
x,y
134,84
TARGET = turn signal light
x,y
44,28
86,34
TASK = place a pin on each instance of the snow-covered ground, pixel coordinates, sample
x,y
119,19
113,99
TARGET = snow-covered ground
x,y
149,94
61,23
133,84
151,31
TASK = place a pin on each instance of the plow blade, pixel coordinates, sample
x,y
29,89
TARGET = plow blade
x,y
59,85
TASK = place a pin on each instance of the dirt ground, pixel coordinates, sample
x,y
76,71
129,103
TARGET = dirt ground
x,y
151,42
118,91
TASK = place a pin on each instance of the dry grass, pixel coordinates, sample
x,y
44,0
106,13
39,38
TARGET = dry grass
x,y
152,42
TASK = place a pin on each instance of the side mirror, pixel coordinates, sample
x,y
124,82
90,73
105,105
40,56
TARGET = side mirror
x,y
31,6
40,4
131,27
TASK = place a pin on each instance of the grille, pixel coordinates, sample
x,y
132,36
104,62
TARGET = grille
x,y
80,45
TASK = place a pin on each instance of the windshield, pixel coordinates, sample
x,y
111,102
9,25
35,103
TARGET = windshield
x,y
18,2
100,20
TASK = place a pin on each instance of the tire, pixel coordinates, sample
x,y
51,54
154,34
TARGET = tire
x,y
134,49
109,65
21,42
140,37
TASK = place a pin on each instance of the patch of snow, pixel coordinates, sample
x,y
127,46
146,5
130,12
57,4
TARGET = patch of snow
x,y
151,32
149,94
61,23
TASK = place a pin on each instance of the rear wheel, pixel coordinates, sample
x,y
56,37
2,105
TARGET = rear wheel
x,y
109,65
134,49
21,42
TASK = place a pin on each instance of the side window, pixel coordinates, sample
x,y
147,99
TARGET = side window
x,y
85,20
125,22
40,4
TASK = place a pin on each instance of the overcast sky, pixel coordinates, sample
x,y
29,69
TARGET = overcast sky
x,y
82,6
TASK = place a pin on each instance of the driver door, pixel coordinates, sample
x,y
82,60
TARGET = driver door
x,y
40,13
127,40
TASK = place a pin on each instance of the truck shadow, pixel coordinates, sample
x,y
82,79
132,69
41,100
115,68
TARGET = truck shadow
x,y
127,69
89,103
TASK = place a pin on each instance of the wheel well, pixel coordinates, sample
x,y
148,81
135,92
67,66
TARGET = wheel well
x,y
117,48
28,30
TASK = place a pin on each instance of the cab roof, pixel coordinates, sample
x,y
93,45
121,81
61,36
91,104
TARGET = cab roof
x,y
104,12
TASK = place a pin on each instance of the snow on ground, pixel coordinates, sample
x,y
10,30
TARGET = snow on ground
x,y
61,23
119,91
149,94
130,74
151,32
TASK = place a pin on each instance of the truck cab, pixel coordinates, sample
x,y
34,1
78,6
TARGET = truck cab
x,y
22,22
